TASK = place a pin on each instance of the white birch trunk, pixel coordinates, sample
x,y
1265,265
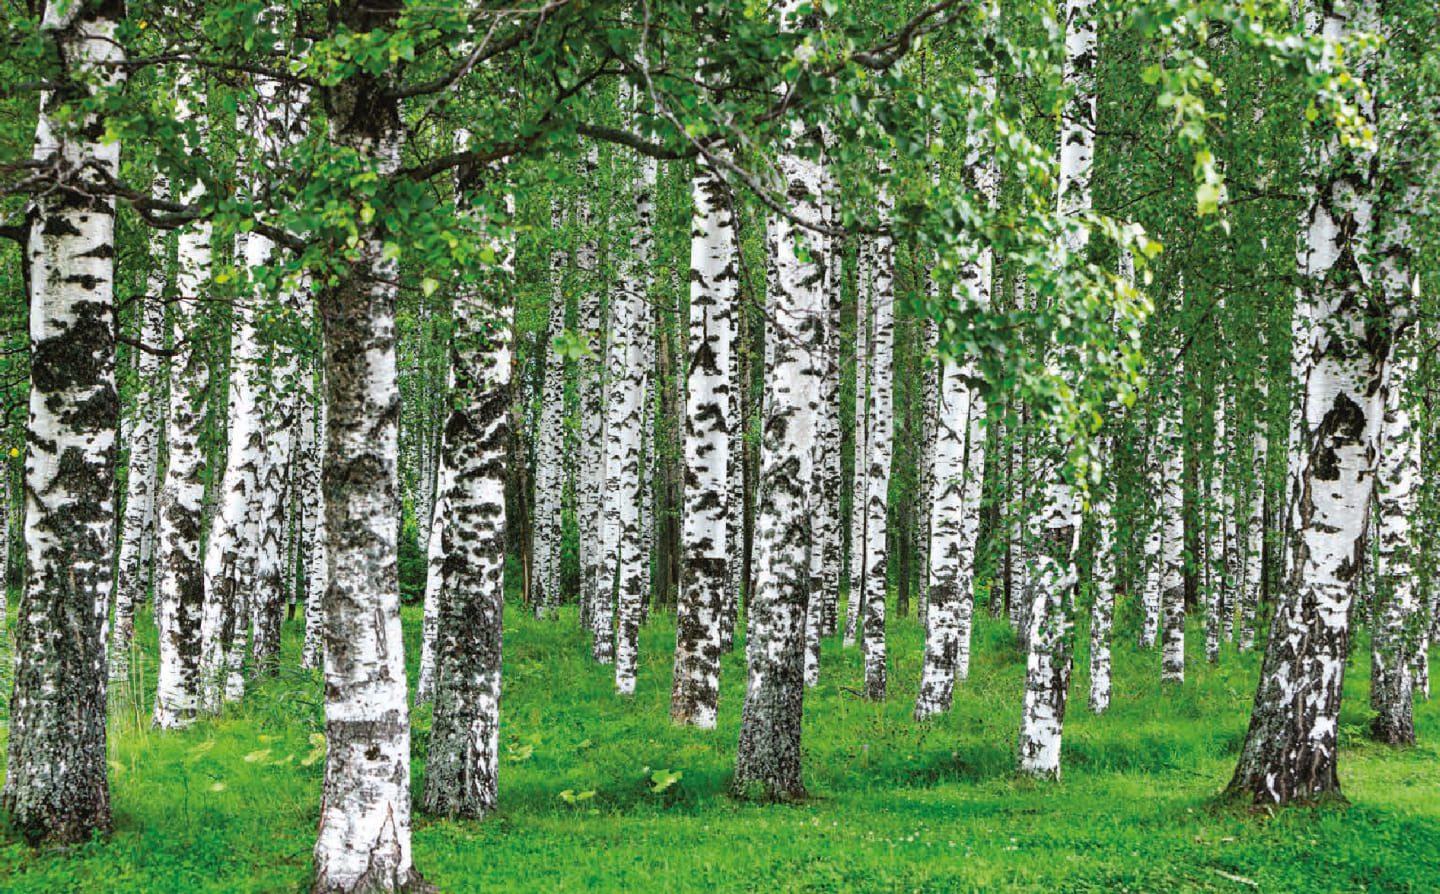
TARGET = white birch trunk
x,y
138,527
268,599
880,436
180,585
434,599
714,288
592,423
55,782
462,770
364,836
313,540
625,405
1049,662
550,437
1290,750
768,756
861,465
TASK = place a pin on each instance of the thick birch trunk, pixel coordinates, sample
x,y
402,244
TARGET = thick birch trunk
x,y
55,782
462,770
714,287
364,836
768,757
1290,750
180,590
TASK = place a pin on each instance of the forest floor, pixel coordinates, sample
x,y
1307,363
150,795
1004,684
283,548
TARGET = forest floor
x,y
233,806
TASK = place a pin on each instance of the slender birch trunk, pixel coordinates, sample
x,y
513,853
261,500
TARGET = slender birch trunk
x,y
956,482
1154,522
1050,659
550,437
313,540
1255,527
434,599
592,421
1172,541
55,783
861,441
768,757
138,527
268,599
180,590
879,426
629,371
714,289
1102,610
1397,629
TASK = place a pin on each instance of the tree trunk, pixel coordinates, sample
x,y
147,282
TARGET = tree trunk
x,y
768,757
364,837
860,449
434,599
268,599
312,546
879,427
180,589
1290,750
714,287
549,480
138,527
625,562
1050,647
462,770
592,421
1397,630
55,783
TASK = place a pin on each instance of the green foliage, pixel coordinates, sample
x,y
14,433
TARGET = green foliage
x,y
895,805
413,566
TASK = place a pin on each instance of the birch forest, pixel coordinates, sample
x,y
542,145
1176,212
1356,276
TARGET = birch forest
x,y
629,445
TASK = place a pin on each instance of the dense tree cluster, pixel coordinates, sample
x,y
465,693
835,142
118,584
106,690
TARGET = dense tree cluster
x,y
790,319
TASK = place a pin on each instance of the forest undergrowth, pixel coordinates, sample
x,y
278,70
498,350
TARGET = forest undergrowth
x,y
603,794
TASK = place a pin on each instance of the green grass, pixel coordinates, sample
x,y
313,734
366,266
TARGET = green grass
x,y
896,806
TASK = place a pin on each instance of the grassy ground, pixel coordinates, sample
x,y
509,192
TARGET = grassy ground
x,y
896,806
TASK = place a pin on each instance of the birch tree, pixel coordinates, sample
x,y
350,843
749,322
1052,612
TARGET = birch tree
x,y
1048,664
1291,746
879,425
138,526
462,769
768,756
364,837
55,781
180,590
714,287
626,555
